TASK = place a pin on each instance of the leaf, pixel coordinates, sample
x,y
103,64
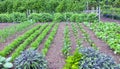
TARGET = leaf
x,y
8,59
8,65
2,59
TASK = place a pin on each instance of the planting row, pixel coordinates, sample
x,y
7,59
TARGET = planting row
x,y
49,40
86,36
6,32
29,40
109,32
76,34
8,49
67,42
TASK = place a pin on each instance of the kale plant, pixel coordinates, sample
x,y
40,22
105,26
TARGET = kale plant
x,y
30,59
93,59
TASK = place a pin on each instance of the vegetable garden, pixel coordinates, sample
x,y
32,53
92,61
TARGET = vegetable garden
x,y
57,34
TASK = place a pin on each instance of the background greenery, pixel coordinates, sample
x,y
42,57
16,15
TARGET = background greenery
x,y
54,5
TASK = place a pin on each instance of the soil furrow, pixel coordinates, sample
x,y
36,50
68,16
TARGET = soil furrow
x,y
11,38
102,46
54,56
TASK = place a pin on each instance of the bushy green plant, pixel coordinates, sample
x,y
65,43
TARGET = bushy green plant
x,y
93,59
72,62
81,17
67,16
58,17
45,17
34,16
30,59
5,63
18,17
4,18
73,17
92,17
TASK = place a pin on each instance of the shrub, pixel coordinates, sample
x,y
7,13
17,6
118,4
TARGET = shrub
x,y
34,16
73,17
30,59
81,17
92,17
5,63
4,18
18,17
58,17
95,60
45,17
67,15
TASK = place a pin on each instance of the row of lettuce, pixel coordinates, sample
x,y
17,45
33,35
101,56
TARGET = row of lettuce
x,y
88,57
83,58
31,39
108,32
10,30
47,17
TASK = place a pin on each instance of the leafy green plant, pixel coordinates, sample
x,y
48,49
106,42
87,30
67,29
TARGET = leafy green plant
x,y
25,44
108,32
73,17
5,63
58,17
8,49
93,59
41,36
18,17
92,17
67,43
50,39
34,16
72,62
67,15
45,17
30,59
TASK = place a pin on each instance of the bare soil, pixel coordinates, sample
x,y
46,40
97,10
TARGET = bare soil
x,y
11,38
103,19
102,46
54,56
4,25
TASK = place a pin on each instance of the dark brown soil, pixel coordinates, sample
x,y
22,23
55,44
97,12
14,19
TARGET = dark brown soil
x,y
11,38
54,56
103,47
4,25
109,20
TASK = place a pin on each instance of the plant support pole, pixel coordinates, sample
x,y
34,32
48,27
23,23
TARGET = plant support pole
x,y
99,12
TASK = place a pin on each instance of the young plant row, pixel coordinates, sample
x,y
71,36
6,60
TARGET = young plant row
x,y
39,39
75,31
108,32
6,32
86,36
49,40
67,42
26,43
9,48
